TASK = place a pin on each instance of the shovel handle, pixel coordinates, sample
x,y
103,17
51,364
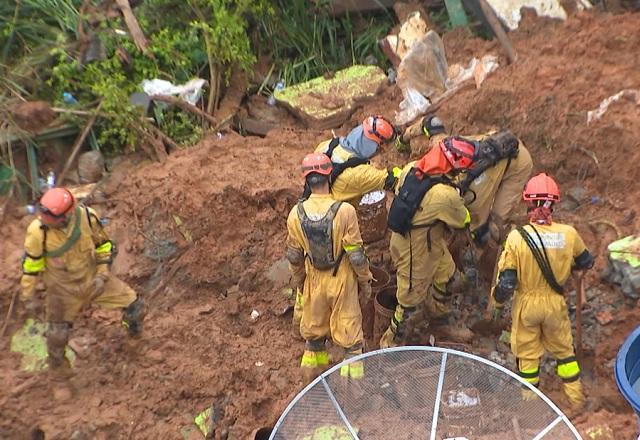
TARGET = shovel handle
x,y
9,312
579,300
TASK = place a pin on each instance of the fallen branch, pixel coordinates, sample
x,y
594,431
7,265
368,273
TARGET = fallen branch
x,y
177,264
497,29
185,106
9,313
134,27
78,143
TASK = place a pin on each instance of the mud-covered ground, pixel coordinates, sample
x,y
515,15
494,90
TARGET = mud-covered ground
x,y
199,236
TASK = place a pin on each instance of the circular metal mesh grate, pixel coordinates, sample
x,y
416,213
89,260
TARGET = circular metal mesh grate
x,y
422,392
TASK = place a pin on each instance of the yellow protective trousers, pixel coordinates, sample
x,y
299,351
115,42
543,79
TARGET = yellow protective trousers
x,y
65,301
540,321
422,274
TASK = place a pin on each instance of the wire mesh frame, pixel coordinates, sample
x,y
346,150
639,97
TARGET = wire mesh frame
x,y
445,353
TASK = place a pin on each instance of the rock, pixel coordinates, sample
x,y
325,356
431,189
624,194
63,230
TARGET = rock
x,y
81,345
32,116
604,317
278,273
90,167
327,103
155,356
62,393
79,435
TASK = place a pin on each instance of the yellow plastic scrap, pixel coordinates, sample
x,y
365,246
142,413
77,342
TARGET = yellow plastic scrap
x,y
30,341
600,432
626,250
329,433
202,421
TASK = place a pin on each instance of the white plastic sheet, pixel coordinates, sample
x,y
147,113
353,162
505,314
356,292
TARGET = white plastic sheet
x,y
189,92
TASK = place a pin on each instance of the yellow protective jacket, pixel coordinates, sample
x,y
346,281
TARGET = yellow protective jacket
x,y
90,253
330,302
540,320
562,243
353,182
498,189
442,204
421,256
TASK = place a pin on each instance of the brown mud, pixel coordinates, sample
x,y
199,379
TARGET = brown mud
x,y
199,236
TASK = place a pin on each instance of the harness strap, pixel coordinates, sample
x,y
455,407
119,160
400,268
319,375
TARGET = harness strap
x,y
541,258
73,238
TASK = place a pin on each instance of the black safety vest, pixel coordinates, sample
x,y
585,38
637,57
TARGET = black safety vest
x,y
407,201
319,235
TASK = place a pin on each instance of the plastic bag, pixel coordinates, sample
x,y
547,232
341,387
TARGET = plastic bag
x,y
189,92
412,106
424,68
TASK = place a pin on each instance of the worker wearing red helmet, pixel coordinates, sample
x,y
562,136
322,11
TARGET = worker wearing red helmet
x,y
536,262
328,263
492,187
353,176
68,247
427,205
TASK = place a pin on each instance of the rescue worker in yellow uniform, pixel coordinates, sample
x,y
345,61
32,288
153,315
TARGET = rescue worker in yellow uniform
x,y
492,187
353,176
328,263
426,206
536,262
69,248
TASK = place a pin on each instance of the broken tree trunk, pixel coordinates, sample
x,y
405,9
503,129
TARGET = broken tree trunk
x,y
78,143
497,28
233,97
185,106
134,27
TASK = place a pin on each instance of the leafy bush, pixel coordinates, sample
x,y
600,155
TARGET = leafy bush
x,y
306,42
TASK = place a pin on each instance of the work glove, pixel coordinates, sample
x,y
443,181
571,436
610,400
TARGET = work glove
x,y
401,145
365,289
432,125
98,286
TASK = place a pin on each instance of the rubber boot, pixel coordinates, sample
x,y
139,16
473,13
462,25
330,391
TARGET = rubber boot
x,y
133,318
59,367
353,370
402,325
57,338
315,359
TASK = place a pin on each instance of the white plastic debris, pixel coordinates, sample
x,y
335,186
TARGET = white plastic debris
x,y
509,10
412,106
478,69
632,94
259,364
189,92
255,315
372,197
460,399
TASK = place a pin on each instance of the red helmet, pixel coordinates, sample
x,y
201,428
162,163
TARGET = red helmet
x,y
541,187
55,205
378,129
316,163
458,151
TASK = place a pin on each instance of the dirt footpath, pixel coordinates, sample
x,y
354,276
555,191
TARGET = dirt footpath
x,y
200,234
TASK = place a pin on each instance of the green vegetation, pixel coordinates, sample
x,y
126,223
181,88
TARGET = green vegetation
x,y
307,42
49,47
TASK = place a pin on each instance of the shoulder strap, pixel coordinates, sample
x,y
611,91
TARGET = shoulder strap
x,y
332,146
338,168
541,258
75,235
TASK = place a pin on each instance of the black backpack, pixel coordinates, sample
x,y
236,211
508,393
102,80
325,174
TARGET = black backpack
x,y
406,202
